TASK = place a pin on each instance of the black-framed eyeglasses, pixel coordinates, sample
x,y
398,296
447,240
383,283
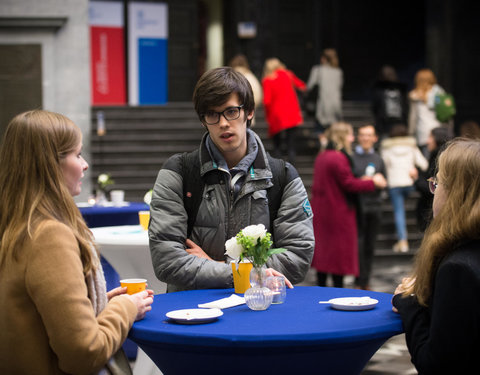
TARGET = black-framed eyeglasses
x,y
432,184
213,118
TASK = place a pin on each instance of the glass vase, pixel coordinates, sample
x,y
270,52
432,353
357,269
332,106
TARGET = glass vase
x,y
101,198
258,276
258,298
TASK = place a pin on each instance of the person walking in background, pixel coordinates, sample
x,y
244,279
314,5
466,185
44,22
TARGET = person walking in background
x,y
435,142
334,206
401,157
422,118
56,315
439,303
240,64
366,162
282,109
327,78
389,101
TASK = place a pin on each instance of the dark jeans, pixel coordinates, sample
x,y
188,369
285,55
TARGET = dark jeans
x,y
368,224
337,280
290,136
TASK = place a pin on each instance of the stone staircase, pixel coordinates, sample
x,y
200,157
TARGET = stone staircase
x,y
138,140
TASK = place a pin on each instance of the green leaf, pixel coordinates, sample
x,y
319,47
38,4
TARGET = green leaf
x,y
276,251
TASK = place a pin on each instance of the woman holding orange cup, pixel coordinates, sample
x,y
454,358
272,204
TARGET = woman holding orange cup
x,y
56,306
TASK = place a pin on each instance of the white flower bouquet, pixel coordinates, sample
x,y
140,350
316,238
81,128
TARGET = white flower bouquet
x,y
252,243
104,180
148,197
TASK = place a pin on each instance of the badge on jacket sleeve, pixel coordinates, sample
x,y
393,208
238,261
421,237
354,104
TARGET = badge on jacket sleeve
x,y
307,208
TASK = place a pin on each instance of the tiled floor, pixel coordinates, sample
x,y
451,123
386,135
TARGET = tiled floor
x,y
392,357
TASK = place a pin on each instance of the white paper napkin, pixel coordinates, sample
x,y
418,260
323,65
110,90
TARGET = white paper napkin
x,y
223,303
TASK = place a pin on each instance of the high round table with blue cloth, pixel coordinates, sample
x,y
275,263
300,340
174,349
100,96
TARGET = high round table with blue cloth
x,y
109,216
299,336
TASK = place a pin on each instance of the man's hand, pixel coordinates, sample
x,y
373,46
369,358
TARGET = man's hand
x,y
194,249
272,272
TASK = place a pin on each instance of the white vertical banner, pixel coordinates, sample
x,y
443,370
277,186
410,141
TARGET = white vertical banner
x,y
147,55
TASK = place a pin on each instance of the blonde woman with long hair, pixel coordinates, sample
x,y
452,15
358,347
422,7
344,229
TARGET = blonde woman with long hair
x,y
422,118
56,315
282,109
440,302
334,207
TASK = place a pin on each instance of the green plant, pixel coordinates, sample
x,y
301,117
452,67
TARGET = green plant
x,y
104,180
252,243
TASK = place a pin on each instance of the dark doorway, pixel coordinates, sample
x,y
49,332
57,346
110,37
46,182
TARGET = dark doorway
x,y
366,35
372,34
183,48
20,81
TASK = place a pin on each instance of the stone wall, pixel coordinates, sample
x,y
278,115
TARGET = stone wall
x,y
61,28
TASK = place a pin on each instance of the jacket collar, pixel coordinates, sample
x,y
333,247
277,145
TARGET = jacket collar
x,y
260,164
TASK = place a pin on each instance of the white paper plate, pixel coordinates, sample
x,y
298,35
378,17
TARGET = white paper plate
x,y
194,316
353,303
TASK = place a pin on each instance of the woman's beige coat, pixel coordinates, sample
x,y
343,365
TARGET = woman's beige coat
x,y
47,322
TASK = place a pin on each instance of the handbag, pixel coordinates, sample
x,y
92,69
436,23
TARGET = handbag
x,y
311,98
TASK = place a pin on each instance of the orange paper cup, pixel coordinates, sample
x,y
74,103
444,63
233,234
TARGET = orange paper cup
x,y
241,276
144,218
134,285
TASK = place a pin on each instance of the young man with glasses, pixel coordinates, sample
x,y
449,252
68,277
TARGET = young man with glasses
x,y
203,198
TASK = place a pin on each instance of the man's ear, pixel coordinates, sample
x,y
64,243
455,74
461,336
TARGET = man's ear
x,y
250,115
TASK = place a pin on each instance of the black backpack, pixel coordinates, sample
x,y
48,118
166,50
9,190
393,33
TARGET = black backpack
x,y
193,186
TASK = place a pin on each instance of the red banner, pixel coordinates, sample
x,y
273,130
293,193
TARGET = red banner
x,y
107,53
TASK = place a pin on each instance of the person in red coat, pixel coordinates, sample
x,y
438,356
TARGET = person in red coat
x,y
333,203
282,109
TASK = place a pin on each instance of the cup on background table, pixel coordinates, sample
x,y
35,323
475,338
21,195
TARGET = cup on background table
x,y
277,285
134,285
144,218
241,276
117,197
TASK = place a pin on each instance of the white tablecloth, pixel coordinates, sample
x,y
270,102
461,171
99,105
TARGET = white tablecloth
x,y
126,248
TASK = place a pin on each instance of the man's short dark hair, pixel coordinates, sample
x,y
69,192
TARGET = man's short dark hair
x,y
217,85
367,126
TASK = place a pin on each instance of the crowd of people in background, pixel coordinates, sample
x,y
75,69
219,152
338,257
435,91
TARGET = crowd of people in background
x,y
401,145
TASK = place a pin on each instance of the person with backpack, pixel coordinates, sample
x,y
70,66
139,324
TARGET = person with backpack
x,y
430,107
389,101
203,198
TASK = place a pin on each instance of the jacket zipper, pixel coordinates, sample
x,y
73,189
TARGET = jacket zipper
x,y
230,200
